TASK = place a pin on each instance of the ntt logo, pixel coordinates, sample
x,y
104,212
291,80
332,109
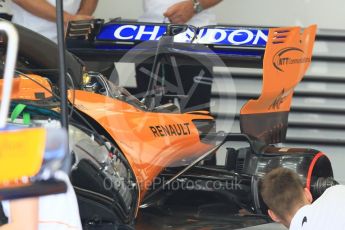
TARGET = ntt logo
x,y
289,56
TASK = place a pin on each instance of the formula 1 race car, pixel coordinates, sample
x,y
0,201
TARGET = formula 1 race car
x,y
129,154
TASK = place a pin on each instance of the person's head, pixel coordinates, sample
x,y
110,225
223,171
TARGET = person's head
x,y
283,192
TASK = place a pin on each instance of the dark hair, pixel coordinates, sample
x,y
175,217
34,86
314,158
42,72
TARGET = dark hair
x,y
282,190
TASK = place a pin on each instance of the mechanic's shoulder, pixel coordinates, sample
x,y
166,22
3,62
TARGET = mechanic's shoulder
x,y
336,188
335,191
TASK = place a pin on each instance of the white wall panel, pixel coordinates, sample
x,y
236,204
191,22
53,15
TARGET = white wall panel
x,y
327,14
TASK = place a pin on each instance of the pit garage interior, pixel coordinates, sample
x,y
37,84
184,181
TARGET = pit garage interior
x,y
318,108
316,119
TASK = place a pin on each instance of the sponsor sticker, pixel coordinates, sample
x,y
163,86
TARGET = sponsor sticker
x,y
289,56
217,36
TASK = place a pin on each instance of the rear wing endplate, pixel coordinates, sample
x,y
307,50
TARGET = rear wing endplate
x,y
287,57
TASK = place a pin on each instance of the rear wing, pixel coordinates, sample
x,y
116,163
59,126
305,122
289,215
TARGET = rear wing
x,y
95,40
283,53
287,57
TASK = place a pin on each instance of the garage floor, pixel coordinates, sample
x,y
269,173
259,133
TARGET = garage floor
x,y
196,224
213,217
207,224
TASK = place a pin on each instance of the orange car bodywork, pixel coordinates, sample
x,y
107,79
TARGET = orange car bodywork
x,y
152,141
24,87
